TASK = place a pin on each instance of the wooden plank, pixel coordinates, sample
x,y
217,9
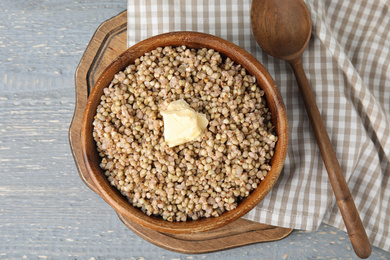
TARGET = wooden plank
x,y
46,211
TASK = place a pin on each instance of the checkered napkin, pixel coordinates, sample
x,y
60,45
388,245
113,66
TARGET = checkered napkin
x,y
347,65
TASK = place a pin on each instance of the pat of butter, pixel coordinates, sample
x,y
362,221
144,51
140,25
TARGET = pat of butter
x,y
182,123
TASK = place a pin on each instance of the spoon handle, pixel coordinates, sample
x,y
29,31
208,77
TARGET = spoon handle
x,y
353,223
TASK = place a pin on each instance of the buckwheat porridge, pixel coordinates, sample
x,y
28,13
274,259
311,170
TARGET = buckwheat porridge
x,y
203,177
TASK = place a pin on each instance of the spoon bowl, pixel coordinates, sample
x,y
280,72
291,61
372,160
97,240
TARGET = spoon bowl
x,y
282,28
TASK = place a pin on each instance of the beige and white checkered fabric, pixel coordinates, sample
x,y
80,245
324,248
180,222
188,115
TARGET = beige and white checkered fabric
x,y
348,66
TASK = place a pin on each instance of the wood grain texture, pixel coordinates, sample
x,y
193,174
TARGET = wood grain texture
x,y
104,47
46,210
108,42
238,233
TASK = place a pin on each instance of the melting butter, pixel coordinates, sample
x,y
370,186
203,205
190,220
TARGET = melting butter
x,y
182,123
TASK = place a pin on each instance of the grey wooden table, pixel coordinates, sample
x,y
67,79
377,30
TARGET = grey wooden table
x,y
46,211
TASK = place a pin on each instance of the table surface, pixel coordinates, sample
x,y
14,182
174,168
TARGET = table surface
x,y
46,211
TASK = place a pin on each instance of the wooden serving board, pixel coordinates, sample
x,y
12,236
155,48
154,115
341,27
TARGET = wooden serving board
x,y
107,43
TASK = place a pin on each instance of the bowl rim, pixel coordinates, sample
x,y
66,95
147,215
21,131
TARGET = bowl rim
x,y
194,40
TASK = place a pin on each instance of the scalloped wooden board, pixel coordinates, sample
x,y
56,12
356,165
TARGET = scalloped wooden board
x,y
106,44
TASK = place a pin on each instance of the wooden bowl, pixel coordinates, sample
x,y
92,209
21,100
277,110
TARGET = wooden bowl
x,y
193,40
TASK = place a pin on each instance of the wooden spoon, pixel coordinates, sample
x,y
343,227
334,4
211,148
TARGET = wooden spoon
x,y
283,28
